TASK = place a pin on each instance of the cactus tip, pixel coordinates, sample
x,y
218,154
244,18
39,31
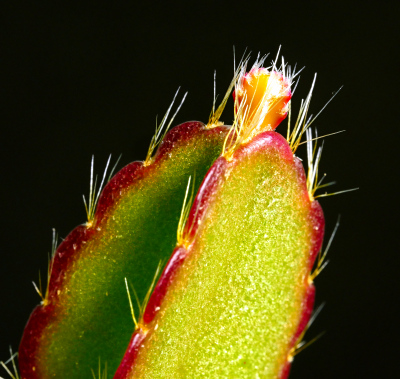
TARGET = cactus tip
x,y
262,98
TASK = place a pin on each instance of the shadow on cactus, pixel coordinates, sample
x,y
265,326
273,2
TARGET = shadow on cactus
x,y
197,262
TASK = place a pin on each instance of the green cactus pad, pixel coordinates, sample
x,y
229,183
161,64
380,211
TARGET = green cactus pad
x,y
85,315
240,294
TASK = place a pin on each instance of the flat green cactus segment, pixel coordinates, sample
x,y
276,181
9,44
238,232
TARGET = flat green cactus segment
x,y
236,301
92,318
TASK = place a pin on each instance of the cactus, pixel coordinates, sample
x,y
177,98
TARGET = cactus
x,y
215,235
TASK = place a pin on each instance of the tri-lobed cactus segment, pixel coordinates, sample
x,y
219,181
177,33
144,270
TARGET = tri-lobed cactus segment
x,y
236,291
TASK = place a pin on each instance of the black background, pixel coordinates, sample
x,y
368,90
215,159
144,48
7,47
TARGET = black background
x,y
86,79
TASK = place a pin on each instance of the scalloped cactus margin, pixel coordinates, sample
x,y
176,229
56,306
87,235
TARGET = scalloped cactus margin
x,y
262,100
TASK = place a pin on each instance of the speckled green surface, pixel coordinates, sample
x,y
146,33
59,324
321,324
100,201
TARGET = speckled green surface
x,y
236,301
92,318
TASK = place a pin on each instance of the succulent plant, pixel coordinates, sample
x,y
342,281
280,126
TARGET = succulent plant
x,y
215,235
